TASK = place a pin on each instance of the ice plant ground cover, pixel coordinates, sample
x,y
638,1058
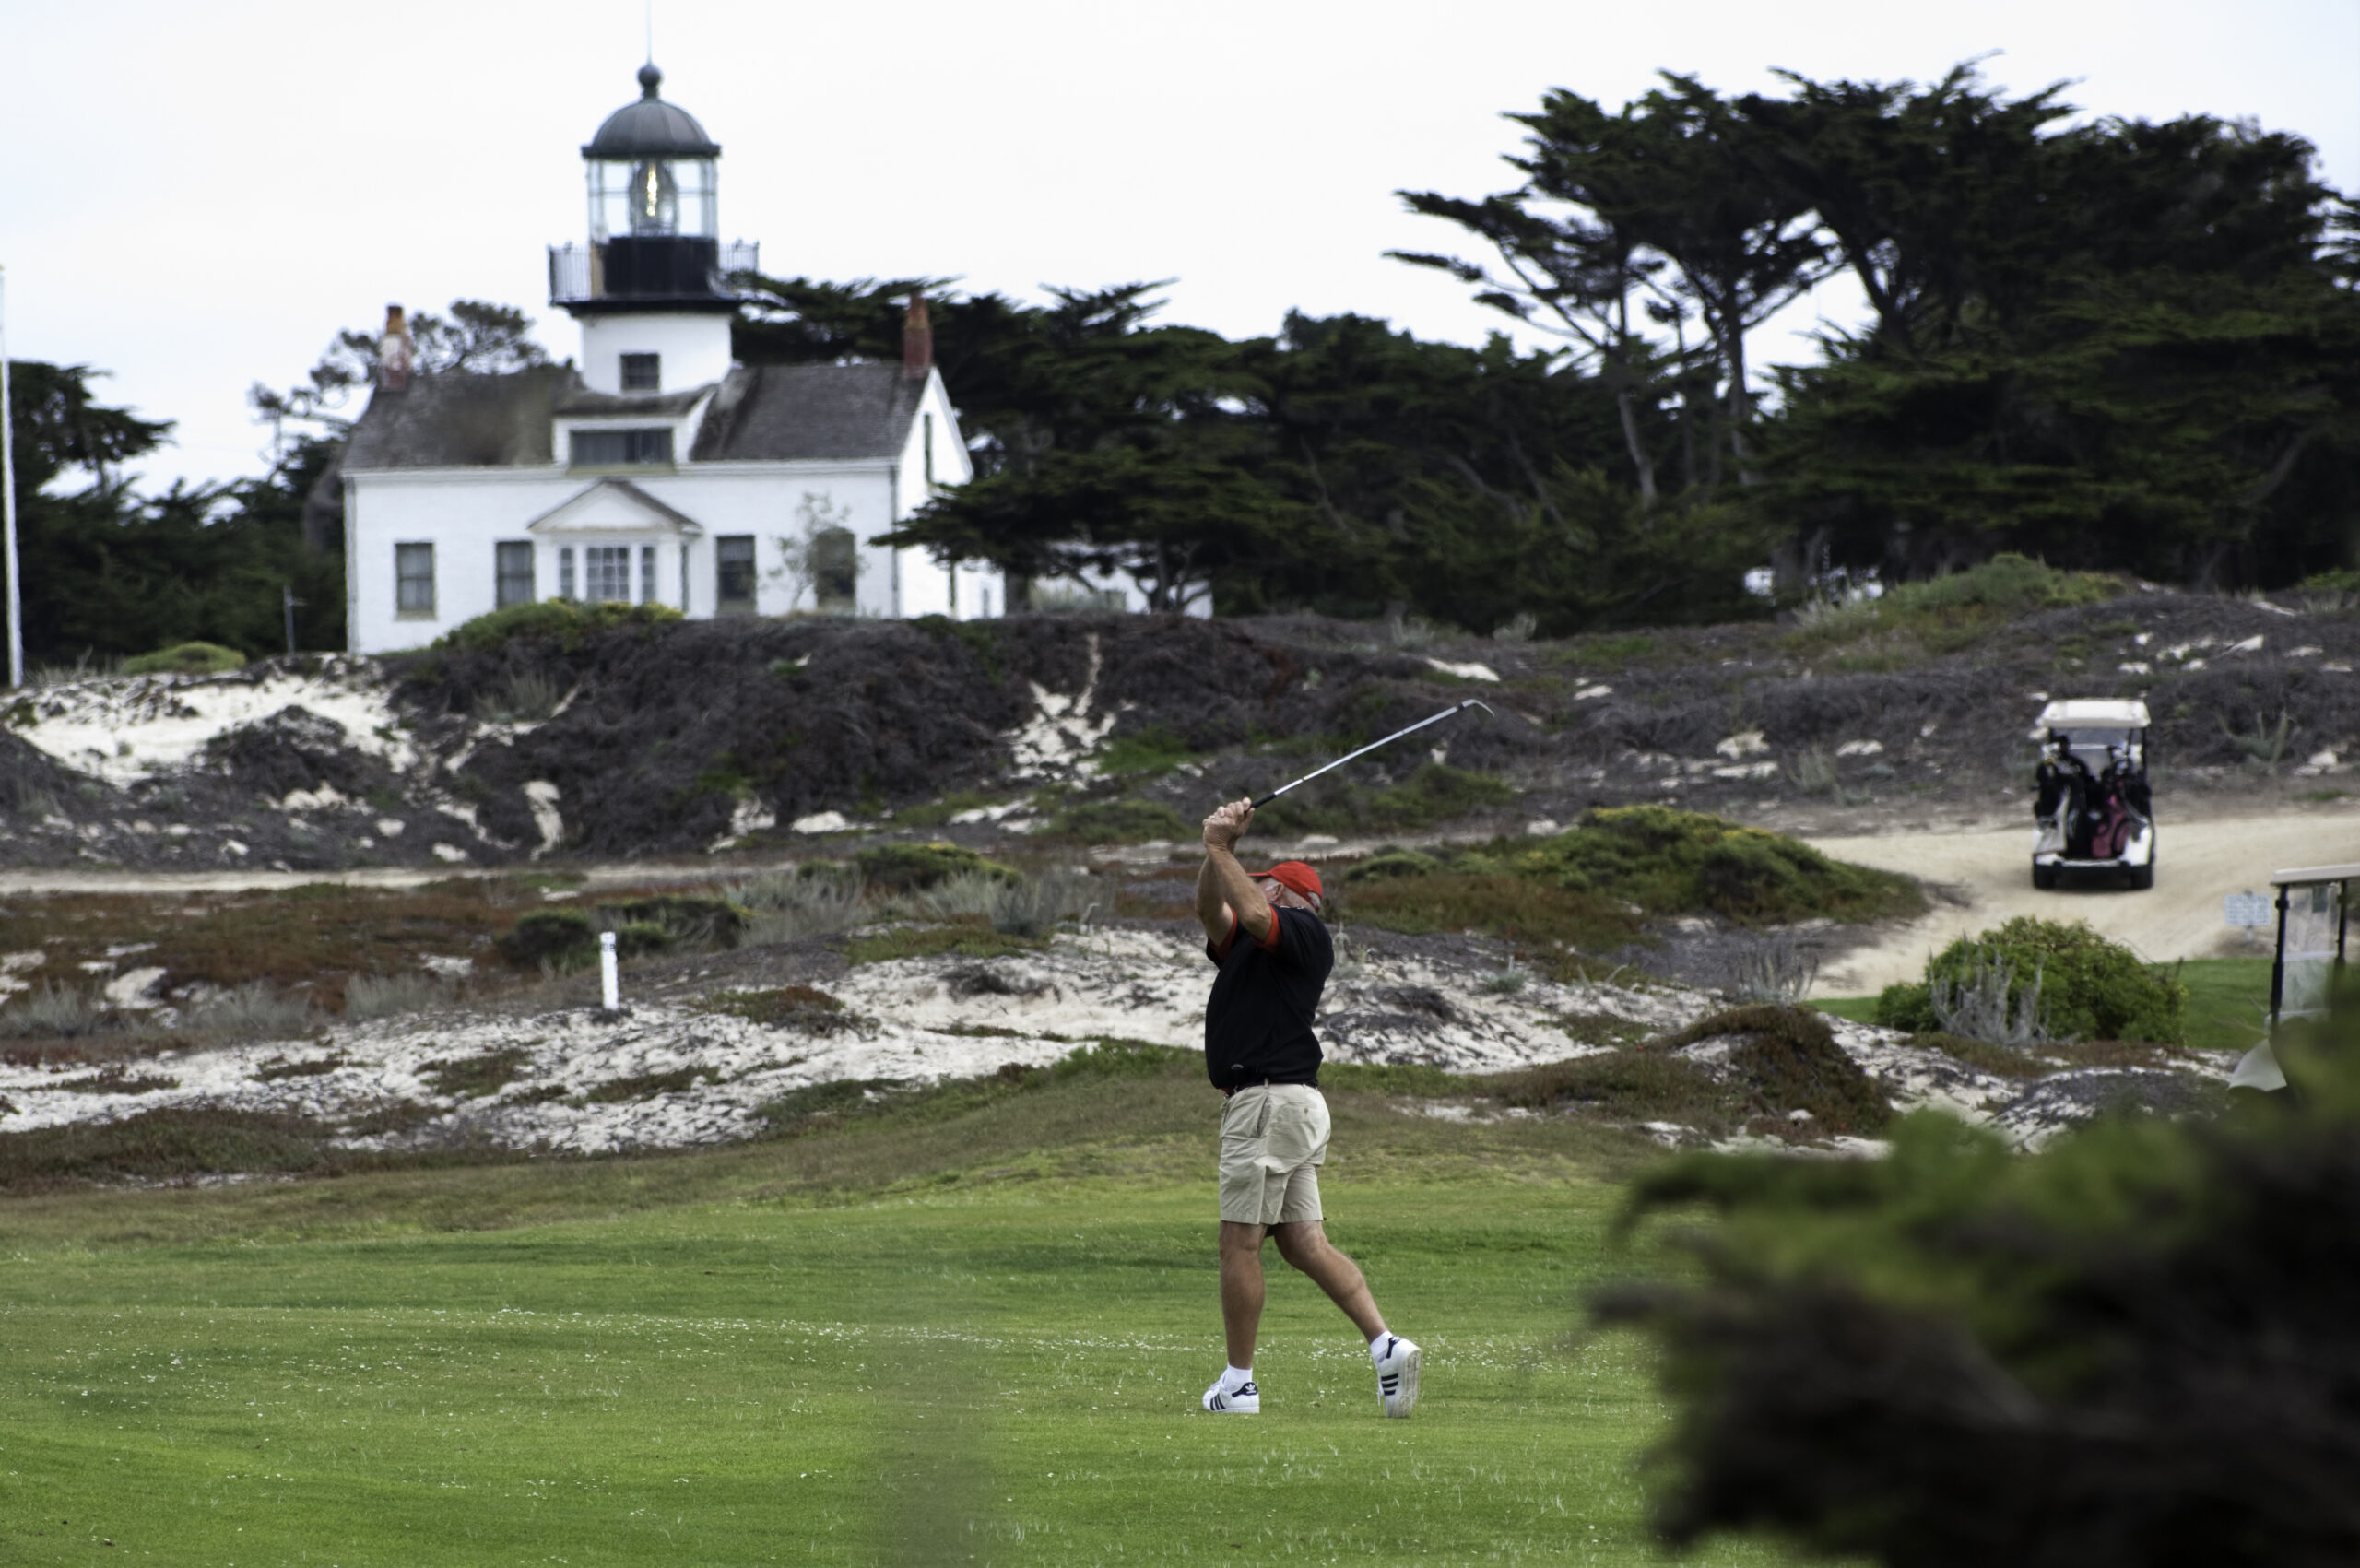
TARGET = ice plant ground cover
x,y
979,1339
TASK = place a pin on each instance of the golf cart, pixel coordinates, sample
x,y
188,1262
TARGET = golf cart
x,y
2091,805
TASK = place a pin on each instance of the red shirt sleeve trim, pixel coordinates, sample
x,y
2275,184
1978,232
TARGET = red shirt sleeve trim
x,y
1276,924
1220,950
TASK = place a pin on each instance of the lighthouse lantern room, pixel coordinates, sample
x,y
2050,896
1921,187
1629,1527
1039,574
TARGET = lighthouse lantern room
x,y
650,287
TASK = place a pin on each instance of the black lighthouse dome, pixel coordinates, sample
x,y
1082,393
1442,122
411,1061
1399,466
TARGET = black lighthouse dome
x,y
650,128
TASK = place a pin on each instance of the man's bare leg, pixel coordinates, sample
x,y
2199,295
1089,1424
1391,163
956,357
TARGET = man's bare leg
x,y
1305,1245
1241,1289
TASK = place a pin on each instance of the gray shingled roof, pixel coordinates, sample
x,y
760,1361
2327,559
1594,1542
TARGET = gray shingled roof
x,y
457,419
582,402
771,413
779,413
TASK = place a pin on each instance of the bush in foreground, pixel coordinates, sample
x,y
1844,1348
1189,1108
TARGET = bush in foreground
x,y
2133,1348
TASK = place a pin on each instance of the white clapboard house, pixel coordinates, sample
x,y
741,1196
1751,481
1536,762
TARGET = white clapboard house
x,y
653,469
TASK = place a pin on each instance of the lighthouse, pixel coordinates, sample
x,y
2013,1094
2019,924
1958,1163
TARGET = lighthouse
x,y
652,470
650,289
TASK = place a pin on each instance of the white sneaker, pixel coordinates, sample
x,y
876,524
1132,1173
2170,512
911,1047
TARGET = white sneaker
x,y
1244,1400
1397,1376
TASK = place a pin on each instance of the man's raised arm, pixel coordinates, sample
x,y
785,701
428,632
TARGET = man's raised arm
x,y
1222,886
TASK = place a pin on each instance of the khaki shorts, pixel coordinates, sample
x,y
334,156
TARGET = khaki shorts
x,y
1273,1141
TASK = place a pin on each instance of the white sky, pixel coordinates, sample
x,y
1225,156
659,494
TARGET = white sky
x,y
198,196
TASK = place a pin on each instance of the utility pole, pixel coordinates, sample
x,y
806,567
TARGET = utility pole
x,y
288,598
8,503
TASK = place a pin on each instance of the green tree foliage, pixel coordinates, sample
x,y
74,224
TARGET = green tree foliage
x,y
109,572
2122,344
2132,1348
1340,464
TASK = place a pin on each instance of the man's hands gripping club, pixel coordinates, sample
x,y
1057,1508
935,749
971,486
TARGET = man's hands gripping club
x,y
1223,887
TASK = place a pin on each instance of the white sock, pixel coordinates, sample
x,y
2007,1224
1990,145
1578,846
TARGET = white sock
x,y
1379,1346
1235,1378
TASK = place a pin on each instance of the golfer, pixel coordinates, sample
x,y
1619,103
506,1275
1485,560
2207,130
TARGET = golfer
x,y
1263,930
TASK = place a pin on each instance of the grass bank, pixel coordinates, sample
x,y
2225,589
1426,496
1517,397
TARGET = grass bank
x,y
889,1340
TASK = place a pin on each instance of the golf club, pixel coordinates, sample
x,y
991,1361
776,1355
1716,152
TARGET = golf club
x,y
1447,712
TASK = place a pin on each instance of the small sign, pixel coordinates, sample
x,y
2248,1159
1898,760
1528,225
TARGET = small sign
x,y
2246,909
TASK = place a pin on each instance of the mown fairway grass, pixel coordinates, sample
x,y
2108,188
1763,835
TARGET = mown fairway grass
x,y
973,1340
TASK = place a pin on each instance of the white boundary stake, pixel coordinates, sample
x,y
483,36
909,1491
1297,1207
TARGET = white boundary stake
x,y
609,985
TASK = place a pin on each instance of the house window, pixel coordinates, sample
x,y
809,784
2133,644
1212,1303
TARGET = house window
x,y
622,449
513,561
647,574
732,571
414,580
836,569
684,579
605,574
565,572
642,372
928,439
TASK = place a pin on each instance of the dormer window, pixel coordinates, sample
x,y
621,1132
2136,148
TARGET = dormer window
x,y
643,373
622,449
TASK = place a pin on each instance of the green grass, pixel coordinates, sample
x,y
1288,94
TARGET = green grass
x,y
2228,1000
974,1339
1860,1009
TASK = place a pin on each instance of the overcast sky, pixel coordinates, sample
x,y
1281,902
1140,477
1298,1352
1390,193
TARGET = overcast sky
x,y
196,196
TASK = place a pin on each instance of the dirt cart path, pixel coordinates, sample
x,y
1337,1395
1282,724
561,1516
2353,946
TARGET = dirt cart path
x,y
1989,873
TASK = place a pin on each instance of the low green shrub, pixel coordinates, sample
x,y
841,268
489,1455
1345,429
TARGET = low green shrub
x,y
562,621
970,937
906,867
1129,821
1510,907
639,939
641,1086
1389,863
472,1078
187,658
561,937
1906,1004
163,1145
1435,792
791,1006
1673,862
2009,583
689,919
1788,1060
1631,1086
2090,988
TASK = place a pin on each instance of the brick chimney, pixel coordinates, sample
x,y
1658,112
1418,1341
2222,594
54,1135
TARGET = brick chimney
x,y
917,341
396,352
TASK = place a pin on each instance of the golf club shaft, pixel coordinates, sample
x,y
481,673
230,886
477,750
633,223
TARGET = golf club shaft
x,y
1447,712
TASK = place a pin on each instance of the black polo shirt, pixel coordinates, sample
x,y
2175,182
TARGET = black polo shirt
x,y
1257,1022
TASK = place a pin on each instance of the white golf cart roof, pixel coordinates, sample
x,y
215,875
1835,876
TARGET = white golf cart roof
x,y
2094,712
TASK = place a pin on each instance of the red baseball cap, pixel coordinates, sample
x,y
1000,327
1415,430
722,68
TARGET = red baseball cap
x,y
1298,876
